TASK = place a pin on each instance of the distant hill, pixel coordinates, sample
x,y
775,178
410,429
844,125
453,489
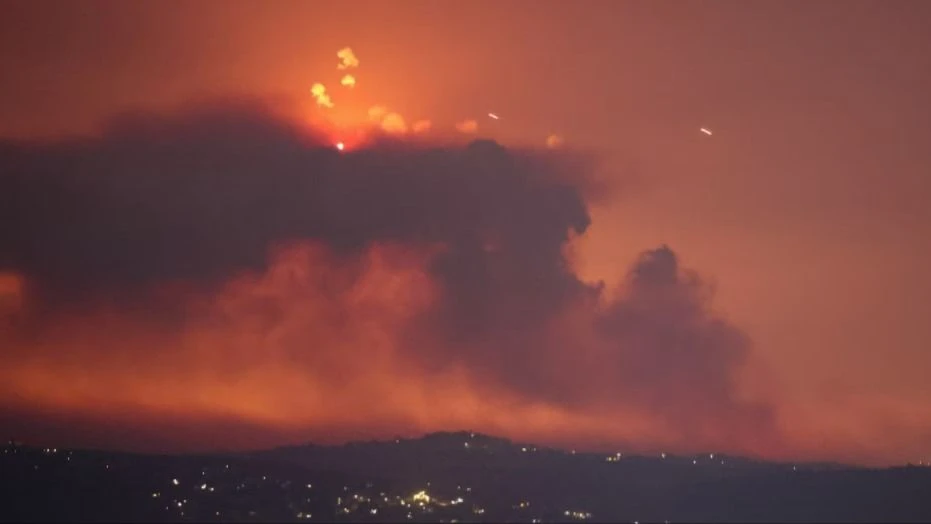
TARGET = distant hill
x,y
460,476
467,449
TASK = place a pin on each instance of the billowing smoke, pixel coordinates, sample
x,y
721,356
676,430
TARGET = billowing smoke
x,y
253,254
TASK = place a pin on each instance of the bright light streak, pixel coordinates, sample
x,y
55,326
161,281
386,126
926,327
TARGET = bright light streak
x,y
706,131
493,116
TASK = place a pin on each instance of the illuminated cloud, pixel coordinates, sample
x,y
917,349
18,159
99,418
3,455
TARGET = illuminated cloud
x,y
263,271
348,81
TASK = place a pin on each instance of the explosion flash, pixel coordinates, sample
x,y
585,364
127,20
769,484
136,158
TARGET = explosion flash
x,y
391,122
347,58
319,93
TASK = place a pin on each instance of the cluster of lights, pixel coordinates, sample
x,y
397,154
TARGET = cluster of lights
x,y
390,121
423,500
578,515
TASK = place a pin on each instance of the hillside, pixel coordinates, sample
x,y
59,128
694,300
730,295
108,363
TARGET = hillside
x,y
444,477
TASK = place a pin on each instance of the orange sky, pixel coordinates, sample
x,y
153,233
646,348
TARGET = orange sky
x,y
806,208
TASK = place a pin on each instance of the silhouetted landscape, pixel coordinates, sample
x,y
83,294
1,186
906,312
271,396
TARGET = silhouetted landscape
x,y
448,477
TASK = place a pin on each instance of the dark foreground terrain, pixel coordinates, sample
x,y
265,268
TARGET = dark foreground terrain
x,y
447,477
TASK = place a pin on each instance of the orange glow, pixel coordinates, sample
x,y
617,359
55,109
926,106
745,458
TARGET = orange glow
x,y
554,141
243,353
467,126
383,119
393,123
376,113
316,346
421,126
12,293
246,358
810,227
389,122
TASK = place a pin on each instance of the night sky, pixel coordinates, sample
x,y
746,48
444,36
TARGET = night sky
x,y
188,261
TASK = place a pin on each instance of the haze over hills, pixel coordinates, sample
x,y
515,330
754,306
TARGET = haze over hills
x,y
453,448
459,476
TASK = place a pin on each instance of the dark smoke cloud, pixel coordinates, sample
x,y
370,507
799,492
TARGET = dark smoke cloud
x,y
203,195
671,355
200,196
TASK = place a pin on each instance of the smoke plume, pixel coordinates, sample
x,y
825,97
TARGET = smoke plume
x,y
224,261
